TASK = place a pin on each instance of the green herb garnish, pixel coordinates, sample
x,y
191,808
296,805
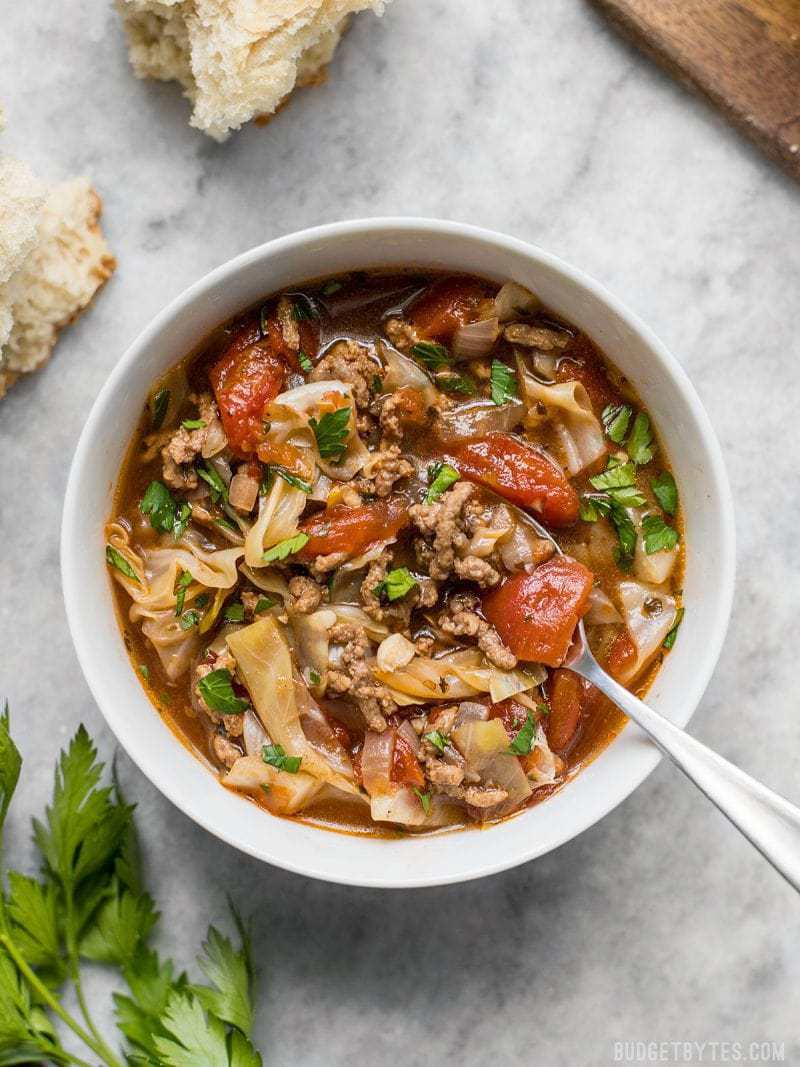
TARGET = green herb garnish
x,y
216,689
424,799
456,383
658,535
264,603
640,446
304,361
523,741
503,382
159,403
303,310
183,579
189,619
194,424
219,490
144,670
331,433
117,560
616,419
396,584
226,523
437,739
290,478
166,514
666,492
234,613
314,676
669,640
440,477
376,384
431,355
275,756
285,548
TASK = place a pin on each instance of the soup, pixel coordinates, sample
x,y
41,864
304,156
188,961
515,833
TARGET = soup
x,y
355,532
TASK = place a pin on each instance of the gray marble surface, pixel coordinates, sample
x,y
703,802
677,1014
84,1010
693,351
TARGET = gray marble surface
x,y
660,923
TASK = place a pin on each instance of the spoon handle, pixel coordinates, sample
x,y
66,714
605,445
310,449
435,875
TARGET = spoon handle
x,y
766,819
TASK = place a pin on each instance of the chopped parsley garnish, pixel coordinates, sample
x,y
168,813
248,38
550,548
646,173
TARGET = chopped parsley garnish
x,y
194,424
396,584
523,741
144,670
202,600
166,514
216,689
450,382
159,403
331,433
117,560
225,523
288,477
275,756
264,603
219,490
314,676
303,310
440,477
424,799
669,640
304,361
285,548
183,579
437,739
666,492
431,355
189,619
616,419
616,476
595,506
377,383
640,446
234,613
503,382
658,535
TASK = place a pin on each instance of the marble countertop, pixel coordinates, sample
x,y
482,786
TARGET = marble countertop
x,y
659,923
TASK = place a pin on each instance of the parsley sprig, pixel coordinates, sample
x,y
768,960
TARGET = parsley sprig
x,y
503,383
167,515
90,904
331,433
640,445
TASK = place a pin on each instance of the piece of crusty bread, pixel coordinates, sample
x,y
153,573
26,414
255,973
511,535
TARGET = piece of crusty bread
x,y
236,59
53,259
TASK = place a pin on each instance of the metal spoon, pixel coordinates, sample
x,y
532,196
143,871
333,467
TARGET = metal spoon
x,y
766,819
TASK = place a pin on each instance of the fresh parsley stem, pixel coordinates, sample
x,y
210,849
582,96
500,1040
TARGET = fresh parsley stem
x,y
33,980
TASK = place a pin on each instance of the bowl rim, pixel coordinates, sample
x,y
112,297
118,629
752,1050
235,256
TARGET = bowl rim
x,y
725,550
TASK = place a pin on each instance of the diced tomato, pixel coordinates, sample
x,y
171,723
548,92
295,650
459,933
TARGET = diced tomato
x,y
566,696
410,407
405,766
445,306
353,530
521,474
536,614
510,713
621,655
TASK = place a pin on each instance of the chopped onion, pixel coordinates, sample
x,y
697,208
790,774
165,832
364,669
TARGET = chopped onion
x,y
394,652
254,734
306,397
402,371
243,492
544,366
376,761
215,440
475,339
319,732
409,734
471,711
478,418
222,467
513,300
601,609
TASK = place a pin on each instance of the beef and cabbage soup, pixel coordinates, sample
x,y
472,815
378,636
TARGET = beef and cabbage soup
x,y
329,570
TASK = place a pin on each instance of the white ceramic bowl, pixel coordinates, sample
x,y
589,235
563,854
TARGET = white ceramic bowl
x,y
682,424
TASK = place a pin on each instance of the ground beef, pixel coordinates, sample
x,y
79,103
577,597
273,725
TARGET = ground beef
x,y
354,679
401,333
444,775
225,750
385,468
519,333
325,564
184,446
305,595
423,595
232,724
348,361
446,527
462,620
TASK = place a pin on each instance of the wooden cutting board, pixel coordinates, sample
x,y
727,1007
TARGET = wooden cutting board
x,y
742,54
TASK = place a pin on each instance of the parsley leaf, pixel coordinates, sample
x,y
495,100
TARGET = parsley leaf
x,y
189,619
437,739
666,492
183,579
264,603
450,382
219,490
431,355
234,613
166,514
32,909
216,689
158,404
285,548
669,640
619,476
116,559
503,383
191,1037
523,741
658,535
194,424
424,799
331,433
144,670
275,756
290,478
440,477
123,923
640,446
397,583
231,975
305,363
616,419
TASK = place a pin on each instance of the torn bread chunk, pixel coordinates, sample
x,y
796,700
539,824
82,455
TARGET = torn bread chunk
x,y
53,259
237,60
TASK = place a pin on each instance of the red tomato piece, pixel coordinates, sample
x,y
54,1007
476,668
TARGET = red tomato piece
x,y
512,715
536,614
521,474
405,766
446,305
248,375
353,530
565,695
